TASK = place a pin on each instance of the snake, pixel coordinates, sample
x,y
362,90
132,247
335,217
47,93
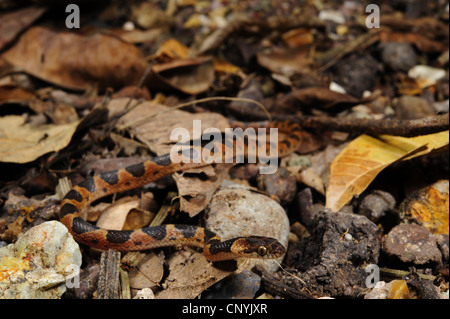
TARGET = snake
x,y
214,248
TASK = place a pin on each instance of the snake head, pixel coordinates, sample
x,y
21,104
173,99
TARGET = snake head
x,y
260,247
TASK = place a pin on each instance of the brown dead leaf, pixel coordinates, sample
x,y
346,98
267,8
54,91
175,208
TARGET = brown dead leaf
x,y
15,94
317,97
23,143
189,277
147,273
190,75
12,23
170,50
298,37
363,158
137,36
77,62
287,61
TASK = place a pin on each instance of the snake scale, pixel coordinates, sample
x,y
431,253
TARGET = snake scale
x,y
214,249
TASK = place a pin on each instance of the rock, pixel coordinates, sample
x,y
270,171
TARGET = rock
x,y
333,259
428,207
399,56
356,73
396,289
237,211
145,293
376,204
281,184
412,244
40,264
243,285
412,107
423,288
380,291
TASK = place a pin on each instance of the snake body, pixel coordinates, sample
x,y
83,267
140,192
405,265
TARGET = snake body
x,y
214,249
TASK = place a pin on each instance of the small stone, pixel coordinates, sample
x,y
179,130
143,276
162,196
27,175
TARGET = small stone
x,y
412,243
356,73
398,290
380,291
376,205
412,107
399,56
243,285
281,184
40,264
145,293
236,211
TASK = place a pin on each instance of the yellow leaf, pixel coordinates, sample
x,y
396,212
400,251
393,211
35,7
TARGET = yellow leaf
x,y
362,159
23,143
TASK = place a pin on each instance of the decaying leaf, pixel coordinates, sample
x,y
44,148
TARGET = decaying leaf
x,y
363,158
148,272
190,75
77,62
23,143
190,276
318,97
12,23
288,61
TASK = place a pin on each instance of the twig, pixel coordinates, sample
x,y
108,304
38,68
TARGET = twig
x,y
334,55
407,128
108,282
395,273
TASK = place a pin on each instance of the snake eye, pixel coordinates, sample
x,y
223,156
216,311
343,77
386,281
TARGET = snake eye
x,y
262,250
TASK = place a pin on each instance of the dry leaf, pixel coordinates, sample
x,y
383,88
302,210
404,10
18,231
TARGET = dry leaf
x,y
12,23
190,75
363,158
170,50
190,277
23,143
115,215
15,94
77,62
287,61
147,273
317,97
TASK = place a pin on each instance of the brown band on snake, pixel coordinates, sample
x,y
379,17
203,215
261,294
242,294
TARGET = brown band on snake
x,y
214,249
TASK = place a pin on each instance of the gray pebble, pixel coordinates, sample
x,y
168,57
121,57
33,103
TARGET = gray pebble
x,y
399,56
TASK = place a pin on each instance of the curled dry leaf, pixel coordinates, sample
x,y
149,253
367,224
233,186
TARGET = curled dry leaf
x,y
124,214
23,143
318,97
77,62
190,277
287,61
190,75
363,158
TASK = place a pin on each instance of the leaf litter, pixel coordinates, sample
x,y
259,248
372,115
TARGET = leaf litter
x,y
75,103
